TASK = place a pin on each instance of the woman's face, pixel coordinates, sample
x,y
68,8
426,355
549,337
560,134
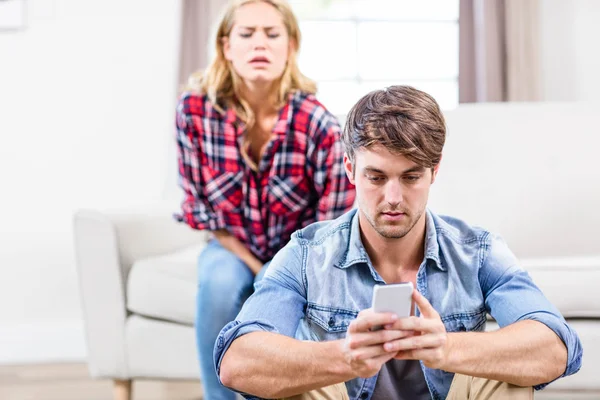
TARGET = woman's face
x,y
258,45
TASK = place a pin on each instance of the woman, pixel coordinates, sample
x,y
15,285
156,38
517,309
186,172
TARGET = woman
x,y
259,157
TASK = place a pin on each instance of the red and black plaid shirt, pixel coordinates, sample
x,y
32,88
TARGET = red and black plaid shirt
x,y
300,178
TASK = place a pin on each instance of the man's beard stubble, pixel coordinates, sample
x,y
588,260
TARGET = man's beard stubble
x,y
395,234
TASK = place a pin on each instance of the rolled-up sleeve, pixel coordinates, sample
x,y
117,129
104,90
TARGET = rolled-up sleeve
x,y
276,306
196,210
511,296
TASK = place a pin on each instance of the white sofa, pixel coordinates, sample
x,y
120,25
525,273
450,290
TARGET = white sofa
x,y
526,171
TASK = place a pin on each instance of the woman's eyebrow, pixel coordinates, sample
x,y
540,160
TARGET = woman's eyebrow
x,y
253,28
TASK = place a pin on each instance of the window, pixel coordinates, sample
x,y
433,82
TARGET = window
x,y
353,46
12,15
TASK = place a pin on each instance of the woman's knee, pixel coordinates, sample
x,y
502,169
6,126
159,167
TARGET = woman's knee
x,y
221,274
215,260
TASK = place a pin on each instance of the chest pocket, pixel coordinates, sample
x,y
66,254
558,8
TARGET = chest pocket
x,y
465,322
288,195
223,189
329,323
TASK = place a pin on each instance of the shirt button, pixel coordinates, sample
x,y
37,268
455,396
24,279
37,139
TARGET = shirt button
x,y
331,322
364,395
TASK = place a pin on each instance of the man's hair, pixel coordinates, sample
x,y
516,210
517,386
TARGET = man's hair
x,y
403,119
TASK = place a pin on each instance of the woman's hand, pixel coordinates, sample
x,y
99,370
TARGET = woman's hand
x,y
231,243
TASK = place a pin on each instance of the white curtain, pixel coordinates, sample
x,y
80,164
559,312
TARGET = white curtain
x,y
199,19
499,50
523,50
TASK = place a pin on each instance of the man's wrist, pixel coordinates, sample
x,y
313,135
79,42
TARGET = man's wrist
x,y
338,364
449,352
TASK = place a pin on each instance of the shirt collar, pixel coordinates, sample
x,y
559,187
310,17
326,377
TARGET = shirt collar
x,y
355,252
432,247
281,126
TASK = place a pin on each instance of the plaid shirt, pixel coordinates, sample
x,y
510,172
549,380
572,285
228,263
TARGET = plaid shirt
x,y
300,177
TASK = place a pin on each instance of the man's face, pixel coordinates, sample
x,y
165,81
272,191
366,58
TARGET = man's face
x,y
391,190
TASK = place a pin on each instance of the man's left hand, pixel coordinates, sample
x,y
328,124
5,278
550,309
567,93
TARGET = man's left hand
x,y
429,341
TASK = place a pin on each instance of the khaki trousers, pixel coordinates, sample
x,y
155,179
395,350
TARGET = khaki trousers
x,y
463,388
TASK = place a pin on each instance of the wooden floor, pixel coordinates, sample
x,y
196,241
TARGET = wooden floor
x,y
72,382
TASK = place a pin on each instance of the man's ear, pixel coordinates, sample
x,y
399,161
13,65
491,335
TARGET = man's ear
x,y
435,171
349,168
226,48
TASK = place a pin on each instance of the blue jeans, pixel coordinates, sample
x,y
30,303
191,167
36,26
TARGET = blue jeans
x,y
224,283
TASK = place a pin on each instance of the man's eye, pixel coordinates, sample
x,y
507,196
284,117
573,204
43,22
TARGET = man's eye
x,y
374,178
412,178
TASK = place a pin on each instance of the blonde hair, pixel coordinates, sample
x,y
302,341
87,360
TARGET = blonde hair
x,y
222,84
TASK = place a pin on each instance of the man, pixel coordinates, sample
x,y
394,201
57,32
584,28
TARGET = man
x,y
308,329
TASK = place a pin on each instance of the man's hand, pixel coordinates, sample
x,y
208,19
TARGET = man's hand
x,y
427,342
363,347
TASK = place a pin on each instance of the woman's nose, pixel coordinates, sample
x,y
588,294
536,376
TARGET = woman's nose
x,y
260,40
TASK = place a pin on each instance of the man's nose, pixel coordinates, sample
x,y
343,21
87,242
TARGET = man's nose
x,y
393,193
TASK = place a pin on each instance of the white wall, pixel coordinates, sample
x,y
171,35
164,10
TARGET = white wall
x,y
569,53
87,96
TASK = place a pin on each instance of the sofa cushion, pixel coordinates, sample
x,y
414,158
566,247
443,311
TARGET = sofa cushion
x,y
158,349
570,283
165,287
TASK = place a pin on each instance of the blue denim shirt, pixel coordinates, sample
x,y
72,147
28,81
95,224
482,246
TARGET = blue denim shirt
x,y
317,284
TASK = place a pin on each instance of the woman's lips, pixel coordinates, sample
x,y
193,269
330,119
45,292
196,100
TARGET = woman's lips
x,y
259,60
259,63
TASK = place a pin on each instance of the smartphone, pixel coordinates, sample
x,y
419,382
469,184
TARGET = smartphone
x,y
395,298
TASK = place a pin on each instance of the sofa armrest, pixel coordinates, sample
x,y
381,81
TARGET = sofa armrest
x,y
107,243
